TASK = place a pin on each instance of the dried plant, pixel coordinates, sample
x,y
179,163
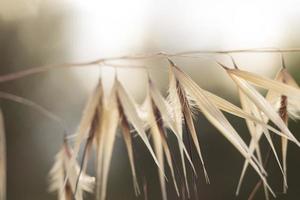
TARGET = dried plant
x,y
2,159
26,102
286,107
107,113
157,117
63,162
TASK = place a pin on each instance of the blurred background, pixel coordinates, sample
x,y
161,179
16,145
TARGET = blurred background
x,y
41,32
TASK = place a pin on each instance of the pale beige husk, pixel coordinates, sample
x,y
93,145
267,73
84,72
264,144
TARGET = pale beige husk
x,y
266,109
215,116
158,117
66,191
290,109
102,116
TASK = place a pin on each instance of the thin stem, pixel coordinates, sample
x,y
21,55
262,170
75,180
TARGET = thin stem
x,y
36,70
103,61
192,158
254,50
259,183
41,109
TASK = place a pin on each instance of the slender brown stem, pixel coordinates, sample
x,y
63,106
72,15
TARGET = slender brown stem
x,y
39,108
104,61
255,50
259,183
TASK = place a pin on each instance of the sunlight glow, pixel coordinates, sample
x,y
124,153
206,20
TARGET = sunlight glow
x,y
110,28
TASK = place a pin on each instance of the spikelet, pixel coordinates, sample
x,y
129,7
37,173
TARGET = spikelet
x,y
215,116
256,130
288,107
177,114
155,105
266,106
260,123
57,175
248,107
2,159
274,97
121,107
131,112
158,136
101,119
288,90
128,142
230,108
99,125
84,128
182,110
241,80
281,104
106,135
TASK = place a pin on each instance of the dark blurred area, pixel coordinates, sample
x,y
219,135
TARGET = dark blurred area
x,y
50,34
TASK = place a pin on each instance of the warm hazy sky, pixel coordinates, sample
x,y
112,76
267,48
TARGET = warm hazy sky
x,y
117,27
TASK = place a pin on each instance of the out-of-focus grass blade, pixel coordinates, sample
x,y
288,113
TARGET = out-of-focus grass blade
x,y
2,159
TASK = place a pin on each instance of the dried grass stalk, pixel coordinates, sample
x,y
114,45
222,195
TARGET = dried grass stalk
x,y
276,100
102,117
256,130
215,116
2,159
